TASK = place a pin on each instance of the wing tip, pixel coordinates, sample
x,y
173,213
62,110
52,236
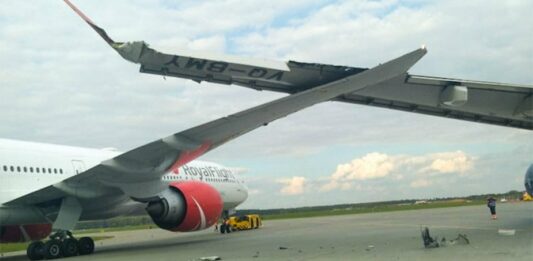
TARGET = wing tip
x,y
88,20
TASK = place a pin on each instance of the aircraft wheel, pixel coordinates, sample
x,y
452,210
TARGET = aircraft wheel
x,y
228,229
70,247
52,249
35,250
222,228
85,246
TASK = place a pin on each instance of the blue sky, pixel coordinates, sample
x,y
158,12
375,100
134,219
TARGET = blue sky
x,y
61,84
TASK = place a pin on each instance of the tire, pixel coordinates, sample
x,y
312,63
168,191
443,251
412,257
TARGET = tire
x,y
85,246
69,247
52,249
228,229
35,250
222,228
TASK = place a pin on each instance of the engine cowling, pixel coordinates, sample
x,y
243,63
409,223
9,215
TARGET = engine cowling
x,y
23,233
186,206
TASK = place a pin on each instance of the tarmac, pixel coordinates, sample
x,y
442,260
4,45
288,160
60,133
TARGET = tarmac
x,y
374,236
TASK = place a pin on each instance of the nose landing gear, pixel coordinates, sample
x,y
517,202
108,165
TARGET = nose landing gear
x,y
60,244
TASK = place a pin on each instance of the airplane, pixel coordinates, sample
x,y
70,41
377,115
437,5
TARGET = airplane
x,y
197,193
47,188
493,103
528,180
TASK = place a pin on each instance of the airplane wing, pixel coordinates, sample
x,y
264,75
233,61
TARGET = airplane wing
x,y
493,103
137,173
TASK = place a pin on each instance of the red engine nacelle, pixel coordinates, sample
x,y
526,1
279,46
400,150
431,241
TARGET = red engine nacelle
x,y
186,206
22,233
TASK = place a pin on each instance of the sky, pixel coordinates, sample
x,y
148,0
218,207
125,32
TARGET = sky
x,y
60,83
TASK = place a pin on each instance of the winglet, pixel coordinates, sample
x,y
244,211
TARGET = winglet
x,y
130,51
98,30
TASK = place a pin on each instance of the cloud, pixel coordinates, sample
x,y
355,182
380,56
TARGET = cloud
x,y
292,186
419,183
451,162
371,166
398,167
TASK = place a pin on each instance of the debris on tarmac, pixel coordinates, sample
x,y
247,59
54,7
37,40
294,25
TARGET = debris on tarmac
x,y
210,258
256,254
461,240
429,242
283,248
369,247
506,232
433,242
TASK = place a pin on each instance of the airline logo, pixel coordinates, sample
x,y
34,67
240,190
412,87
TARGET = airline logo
x,y
208,172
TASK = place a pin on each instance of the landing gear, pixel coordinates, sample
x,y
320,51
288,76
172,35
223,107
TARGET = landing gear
x,y
34,251
69,247
52,249
61,244
85,246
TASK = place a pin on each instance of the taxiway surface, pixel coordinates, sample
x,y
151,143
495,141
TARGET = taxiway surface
x,y
375,236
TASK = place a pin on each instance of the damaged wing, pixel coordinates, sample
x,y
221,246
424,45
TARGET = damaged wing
x,y
493,103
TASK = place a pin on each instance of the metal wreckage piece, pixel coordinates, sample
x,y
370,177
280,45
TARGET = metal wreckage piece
x,y
434,242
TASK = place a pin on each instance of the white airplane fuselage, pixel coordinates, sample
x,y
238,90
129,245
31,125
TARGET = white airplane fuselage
x,y
26,167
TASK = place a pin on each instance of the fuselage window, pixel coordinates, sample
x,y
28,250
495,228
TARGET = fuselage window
x,y
44,170
31,169
5,168
25,169
37,170
55,171
18,169
60,171
12,168
50,170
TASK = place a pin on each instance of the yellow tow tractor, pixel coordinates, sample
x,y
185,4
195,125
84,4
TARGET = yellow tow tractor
x,y
236,223
527,197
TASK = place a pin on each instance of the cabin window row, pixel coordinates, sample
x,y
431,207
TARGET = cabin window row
x,y
206,179
32,169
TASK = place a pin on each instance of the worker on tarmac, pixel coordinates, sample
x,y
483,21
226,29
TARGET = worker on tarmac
x,y
491,203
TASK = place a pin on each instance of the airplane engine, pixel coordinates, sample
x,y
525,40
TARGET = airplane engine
x,y
23,233
186,206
